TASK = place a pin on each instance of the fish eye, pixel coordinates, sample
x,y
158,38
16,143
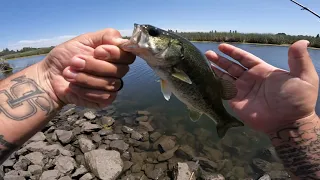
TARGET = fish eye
x,y
154,32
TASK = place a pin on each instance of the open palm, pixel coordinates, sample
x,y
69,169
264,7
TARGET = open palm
x,y
269,97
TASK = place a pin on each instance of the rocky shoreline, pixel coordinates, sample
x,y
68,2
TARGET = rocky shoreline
x,y
87,144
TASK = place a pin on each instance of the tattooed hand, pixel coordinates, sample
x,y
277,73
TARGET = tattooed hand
x,y
269,97
87,70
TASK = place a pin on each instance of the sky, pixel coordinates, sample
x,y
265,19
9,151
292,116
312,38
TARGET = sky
x,y
36,23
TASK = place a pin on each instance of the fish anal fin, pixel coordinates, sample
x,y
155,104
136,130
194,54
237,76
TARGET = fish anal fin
x,y
229,89
165,89
179,74
224,126
194,115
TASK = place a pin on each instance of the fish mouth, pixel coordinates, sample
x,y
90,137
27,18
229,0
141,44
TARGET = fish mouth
x,y
138,40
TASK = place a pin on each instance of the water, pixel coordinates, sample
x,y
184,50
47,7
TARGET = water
x,y
142,92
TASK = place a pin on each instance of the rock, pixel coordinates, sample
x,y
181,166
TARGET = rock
x,y
145,145
65,164
134,142
147,125
136,168
265,177
67,111
279,175
214,154
163,166
80,159
155,136
96,137
138,157
22,164
127,165
86,144
87,176
168,154
80,122
114,137
35,169
146,113
13,177
25,174
50,175
182,172
64,136
89,115
104,132
166,144
211,176
79,172
8,163
65,178
89,127
51,150
73,118
104,164
155,174
119,145
261,165
39,136
142,119
238,172
35,158
207,164
137,136
107,121
127,129
13,172
186,152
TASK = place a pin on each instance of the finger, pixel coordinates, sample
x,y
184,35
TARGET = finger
x,y
93,66
300,63
245,58
102,98
232,68
222,74
72,97
94,82
113,54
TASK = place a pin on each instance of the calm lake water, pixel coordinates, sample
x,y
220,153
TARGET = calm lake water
x,y
142,90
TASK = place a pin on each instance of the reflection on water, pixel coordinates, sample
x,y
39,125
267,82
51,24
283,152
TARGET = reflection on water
x,y
142,92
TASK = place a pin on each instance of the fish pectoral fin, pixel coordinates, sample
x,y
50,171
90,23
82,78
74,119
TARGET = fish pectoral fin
x,y
194,115
165,89
229,89
179,74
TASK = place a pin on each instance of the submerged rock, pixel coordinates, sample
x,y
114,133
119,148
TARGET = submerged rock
x,y
183,172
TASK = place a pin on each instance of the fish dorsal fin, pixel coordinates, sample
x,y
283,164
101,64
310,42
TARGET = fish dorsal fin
x,y
194,114
229,89
165,89
179,74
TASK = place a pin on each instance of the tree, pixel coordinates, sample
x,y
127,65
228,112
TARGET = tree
x,y
317,36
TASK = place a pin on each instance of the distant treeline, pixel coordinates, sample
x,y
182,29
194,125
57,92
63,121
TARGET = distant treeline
x,y
231,36
234,36
26,51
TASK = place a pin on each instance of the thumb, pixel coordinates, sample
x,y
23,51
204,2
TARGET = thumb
x,y
300,63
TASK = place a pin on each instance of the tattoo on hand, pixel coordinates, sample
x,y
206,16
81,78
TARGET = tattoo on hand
x,y
299,148
23,99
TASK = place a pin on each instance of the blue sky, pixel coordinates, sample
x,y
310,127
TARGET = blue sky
x,y
43,23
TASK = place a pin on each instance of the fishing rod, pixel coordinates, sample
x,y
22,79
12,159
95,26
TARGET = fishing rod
x,y
305,8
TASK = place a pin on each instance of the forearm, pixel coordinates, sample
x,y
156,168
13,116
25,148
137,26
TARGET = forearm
x,y
25,108
298,145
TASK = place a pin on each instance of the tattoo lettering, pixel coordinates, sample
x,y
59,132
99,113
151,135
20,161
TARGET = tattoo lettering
x,y
299,148
23,100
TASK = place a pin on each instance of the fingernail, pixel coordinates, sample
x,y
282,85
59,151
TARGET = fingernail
x,y
71,74
78,63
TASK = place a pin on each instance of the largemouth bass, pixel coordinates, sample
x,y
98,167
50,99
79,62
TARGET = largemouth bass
x,y
185,72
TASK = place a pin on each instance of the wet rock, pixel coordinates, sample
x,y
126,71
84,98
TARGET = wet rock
x,y
64,136
86,144
173,162
147,125
127,129
119,145
238,172
35,158
142,119
79,172
35,169
72,119
155,136
145,145
65,164
114,137
134,142
186,152
89,127
145,113
89,115
136,167
166,143
214,154
211,176
279,175
168,154
148,167
127,165
137,136
126,155
39,136
261,165
206,164
182,172
163,166
107,121
50,175
265,177
138,157
22,164
87,176
104,164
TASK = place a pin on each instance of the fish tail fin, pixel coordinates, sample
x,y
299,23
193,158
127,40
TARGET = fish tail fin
x,y
229,122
